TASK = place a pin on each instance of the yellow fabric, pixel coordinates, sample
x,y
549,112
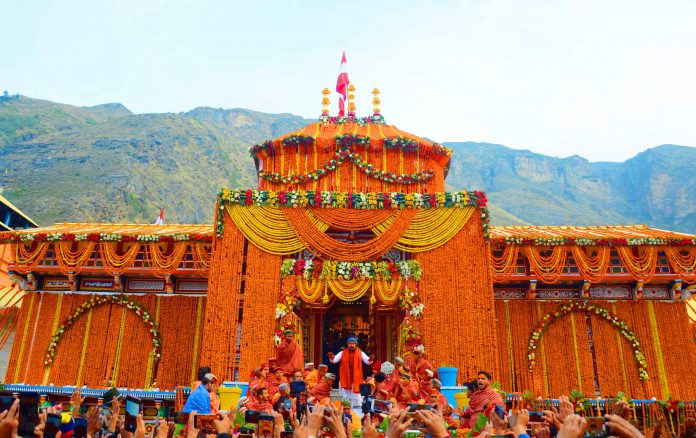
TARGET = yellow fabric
x,y
348,290
268,229
430,229
387,291
310,291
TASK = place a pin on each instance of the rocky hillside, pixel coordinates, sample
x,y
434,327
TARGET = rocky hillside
x,y
65,163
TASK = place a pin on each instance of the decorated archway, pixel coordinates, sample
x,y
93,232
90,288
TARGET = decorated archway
x,y
98,300
584,306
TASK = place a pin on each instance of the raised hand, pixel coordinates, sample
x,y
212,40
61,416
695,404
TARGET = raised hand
x,y
331,356
314,420
434,423
565,408
621,427
93,420
192,432
368,429
397,425
335,423
543,432
573,427
76,401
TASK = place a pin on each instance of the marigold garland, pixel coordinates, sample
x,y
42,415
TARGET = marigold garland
x,y
97,300
583,306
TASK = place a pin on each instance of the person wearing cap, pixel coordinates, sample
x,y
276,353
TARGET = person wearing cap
x,y
315,375
199,399
437,398
280,397
308,368
289,355
350,371
322,391
393,378
422,369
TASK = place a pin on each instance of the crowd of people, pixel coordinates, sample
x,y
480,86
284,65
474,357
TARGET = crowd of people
x,y
395,399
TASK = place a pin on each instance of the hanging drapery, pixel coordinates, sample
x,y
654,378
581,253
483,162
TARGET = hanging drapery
x,y
28,256
640,265
115,263
73,261
592,267
429,229
314,238
350,218
166,259
386,291
683,261
547,267
269,229
309,290
504,266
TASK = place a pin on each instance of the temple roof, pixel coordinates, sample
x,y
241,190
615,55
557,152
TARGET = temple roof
x,y
92,231
497,233
530,232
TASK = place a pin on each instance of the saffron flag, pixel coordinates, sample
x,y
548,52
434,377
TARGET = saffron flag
x,y
160,219
342,87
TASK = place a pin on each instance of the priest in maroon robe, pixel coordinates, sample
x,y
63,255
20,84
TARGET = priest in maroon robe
x,y
289,354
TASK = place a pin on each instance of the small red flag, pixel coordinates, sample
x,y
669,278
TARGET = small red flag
x,y
342,87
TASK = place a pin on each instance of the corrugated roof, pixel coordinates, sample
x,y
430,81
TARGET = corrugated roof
x,y
17,210
88,228
589,232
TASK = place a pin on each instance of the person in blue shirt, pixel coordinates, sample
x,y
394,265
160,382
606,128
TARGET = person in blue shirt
x,y
199,399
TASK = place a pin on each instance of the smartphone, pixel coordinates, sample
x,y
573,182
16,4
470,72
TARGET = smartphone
x,y
80,430
379,406
594,427
28,413
413,407
6,402
286,434
500,412
251,417
52,426
536,417
133,405
181,417
265,425
205,422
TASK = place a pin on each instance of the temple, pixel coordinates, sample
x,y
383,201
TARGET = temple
x,y
351,231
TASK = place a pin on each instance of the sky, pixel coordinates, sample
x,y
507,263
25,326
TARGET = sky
x,y
601,79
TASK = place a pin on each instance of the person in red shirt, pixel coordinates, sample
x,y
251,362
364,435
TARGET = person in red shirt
x,y
482,400
322,391
261,403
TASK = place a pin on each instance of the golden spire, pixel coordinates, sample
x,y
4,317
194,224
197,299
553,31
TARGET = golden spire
x,y
351,99
325,101
375,101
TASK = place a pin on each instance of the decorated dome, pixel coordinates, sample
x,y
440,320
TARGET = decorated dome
x,y
352,154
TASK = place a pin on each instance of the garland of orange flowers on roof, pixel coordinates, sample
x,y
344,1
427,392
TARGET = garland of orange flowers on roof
x,y
547,267
641,265
592,268
114,263
582,306
505,264
683,262
73,261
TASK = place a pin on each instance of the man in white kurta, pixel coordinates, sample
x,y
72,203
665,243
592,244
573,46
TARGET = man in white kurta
x,y
351,374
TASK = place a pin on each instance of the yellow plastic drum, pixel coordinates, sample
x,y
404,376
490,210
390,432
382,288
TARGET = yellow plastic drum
x,y
462,400
229,397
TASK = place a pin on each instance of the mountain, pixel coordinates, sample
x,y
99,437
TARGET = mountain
x,y
656,187
63,163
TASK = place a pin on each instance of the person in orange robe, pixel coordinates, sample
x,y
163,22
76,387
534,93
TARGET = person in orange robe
x,y
273,382
289,356
350,372
322,391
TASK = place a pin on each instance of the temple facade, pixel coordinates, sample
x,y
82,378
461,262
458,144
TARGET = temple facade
x,y
351,231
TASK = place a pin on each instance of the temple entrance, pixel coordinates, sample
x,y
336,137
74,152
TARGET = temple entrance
x,y
326,329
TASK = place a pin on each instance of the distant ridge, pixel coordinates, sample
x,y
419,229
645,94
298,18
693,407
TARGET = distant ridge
x,y
103,163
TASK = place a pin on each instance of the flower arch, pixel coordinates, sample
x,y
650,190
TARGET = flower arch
x,y
98,300
584,306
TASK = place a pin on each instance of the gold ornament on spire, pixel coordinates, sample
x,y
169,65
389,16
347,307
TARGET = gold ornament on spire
x,y
375,101
351,99
325,101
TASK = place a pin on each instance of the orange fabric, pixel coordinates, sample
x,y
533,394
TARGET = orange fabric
x,y
350,372
461,266
312,379
321,391
222,310
289,356
352,219
330,248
